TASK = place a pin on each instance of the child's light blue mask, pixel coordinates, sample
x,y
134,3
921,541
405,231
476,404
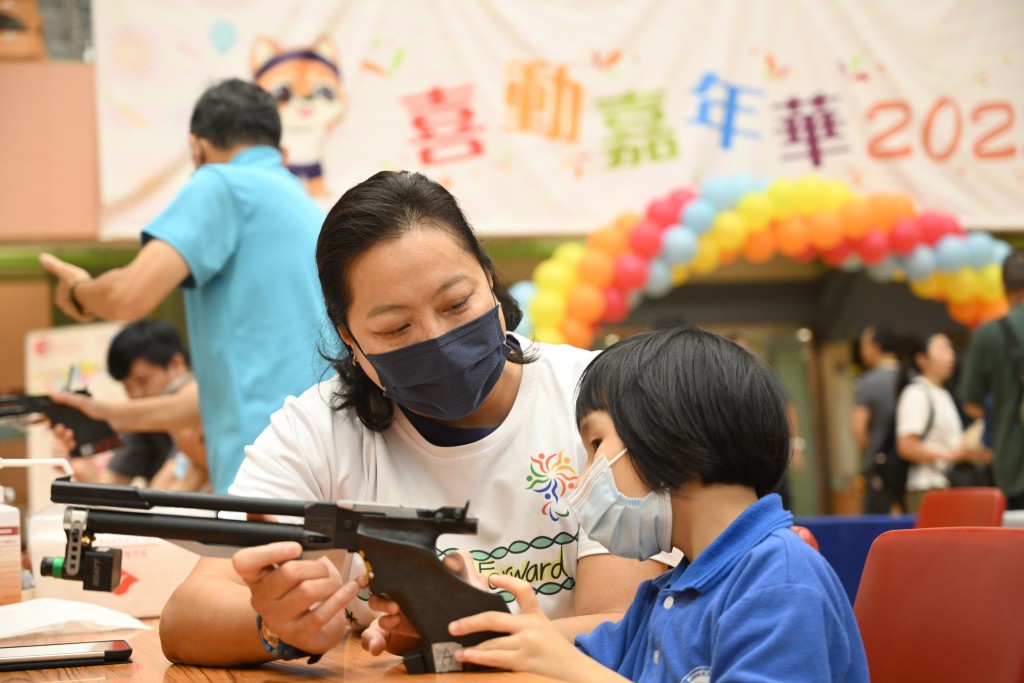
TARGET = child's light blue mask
x,y
637,528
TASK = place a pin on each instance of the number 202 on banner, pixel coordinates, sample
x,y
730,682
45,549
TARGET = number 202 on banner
x,y
990,131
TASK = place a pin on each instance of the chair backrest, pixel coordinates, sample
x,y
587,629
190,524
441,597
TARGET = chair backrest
x,y
968,506
805,534
944,604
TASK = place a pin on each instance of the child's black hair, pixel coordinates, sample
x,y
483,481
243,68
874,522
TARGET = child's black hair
x,y
691,405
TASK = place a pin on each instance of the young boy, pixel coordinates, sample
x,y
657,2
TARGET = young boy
x,y
687,436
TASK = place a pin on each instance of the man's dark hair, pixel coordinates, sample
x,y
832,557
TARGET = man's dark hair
x,y
381,209
886,339
691,405
154,341
1013,272
236,112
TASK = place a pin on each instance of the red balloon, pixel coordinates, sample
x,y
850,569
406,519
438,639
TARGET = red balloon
x,y
678,200
630,272
932,227
905,236
616,305
950,225
645,240
874,247
661,213
835,256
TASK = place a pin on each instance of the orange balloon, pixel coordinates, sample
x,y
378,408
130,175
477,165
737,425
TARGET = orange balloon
x,y
577,333
883,211
725,256
596,268
626,221
856,218
585,303
965,313
826,231
609,240
794,236
992,310
903,206
760,247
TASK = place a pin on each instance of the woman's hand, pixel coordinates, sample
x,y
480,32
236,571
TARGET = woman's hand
x,y
302,601
533,643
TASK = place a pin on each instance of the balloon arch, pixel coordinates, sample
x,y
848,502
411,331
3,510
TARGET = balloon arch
x,y
583,285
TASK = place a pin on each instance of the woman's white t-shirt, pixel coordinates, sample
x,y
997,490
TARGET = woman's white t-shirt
x,y
917,400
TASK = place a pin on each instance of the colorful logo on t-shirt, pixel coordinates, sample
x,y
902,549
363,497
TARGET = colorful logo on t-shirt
x,y
552,476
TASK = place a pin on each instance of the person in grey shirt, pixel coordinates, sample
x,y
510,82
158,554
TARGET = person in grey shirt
x,y
874,407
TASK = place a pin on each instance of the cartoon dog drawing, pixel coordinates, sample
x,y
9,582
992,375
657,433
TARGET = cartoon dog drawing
x,y
307,84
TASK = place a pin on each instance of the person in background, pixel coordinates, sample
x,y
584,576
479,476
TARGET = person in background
x,y
872,417
160,425
435,402
751,601
990,374
239,238
929,432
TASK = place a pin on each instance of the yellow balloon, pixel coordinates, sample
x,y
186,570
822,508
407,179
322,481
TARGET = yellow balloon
x,y
547,309
963,286
927,288
836,195
554,276
569,253
810,194
990,282
548,335
706,258
729,232
680,274
782,192
756,209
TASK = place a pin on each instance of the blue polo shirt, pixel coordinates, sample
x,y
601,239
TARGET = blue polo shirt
x,y
758,604
255,312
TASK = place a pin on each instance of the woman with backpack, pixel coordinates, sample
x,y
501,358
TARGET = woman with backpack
x,y
929,431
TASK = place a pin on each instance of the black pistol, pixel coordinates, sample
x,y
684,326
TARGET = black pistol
x,y
397,543
91,436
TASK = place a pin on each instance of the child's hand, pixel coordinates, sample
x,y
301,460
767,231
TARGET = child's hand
x,y
533,643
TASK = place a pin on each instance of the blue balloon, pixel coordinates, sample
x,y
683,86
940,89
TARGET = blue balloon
x,y
678,245
525,326
883,271
699,215
1000,250
523,292
659,278
740,185
719,191
978,246
950,254
920,263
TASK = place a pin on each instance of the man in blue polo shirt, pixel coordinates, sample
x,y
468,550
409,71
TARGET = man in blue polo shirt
x,y
240,238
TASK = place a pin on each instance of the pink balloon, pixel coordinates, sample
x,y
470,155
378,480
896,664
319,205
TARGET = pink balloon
x,y
616,305
932,227
630,272
678,200
905,236
661,213
645,240
873,247
836,255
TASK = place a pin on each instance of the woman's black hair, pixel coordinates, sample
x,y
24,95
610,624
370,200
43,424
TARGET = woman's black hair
x,y
691,405
382,208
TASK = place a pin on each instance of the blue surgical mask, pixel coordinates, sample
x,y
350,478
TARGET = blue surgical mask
x,y
637,528
448,377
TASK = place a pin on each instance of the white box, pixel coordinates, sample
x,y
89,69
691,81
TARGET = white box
x,y
151,568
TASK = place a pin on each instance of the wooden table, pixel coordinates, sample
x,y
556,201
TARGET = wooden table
x,y
348,662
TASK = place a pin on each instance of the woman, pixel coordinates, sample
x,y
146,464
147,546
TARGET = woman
x,y
929,432
434,403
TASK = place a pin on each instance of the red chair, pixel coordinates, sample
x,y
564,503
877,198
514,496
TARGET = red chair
x,y
944,604
805,534
968,506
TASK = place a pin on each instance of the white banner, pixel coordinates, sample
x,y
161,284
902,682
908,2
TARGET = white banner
x,y
554,117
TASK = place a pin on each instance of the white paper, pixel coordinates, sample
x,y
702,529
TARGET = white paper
x,y
44,615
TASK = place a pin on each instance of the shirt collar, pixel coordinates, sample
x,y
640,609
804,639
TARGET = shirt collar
x,y
752,526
